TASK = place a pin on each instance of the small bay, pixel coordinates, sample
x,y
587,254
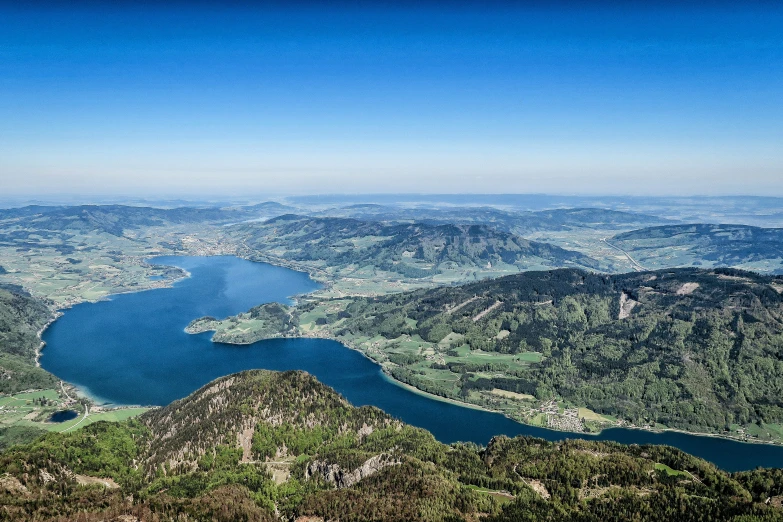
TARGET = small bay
x,y
132,349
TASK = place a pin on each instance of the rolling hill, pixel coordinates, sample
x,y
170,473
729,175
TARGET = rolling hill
x,y
410,250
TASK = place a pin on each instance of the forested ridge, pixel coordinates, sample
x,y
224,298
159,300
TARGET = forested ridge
x,y
214,454
724,244
695,349
704,245
21,318
412,250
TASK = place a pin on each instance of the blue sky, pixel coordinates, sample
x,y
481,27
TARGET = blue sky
x,y
439,97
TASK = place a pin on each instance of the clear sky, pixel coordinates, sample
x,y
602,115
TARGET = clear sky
x,y
153,98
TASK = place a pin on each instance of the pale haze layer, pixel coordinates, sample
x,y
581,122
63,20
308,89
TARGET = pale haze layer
x,y
438,98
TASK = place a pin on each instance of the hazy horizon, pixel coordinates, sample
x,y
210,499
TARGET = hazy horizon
x,y
531,201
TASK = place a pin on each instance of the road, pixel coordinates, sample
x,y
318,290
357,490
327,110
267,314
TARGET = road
x,y
86,413
62,387
636,266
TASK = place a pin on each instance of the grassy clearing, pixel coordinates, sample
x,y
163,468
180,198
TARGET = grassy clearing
x,y
20,409
51,395
669,471
589,414
450,338
502,497
114,415
532,357
765,431
513,395
538,420
463,350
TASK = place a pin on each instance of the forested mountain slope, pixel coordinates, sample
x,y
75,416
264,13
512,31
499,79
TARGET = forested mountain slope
x,y
21,318
741,246
262,445
411,250
700,350
687,348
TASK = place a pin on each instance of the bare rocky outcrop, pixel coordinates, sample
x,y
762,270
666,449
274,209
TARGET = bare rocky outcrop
x,y
626,306
538,487
687,288
345,479
86,480
245,441
364,431
45,476
12,485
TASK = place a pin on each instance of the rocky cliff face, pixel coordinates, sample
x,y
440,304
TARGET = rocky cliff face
x,y
345,479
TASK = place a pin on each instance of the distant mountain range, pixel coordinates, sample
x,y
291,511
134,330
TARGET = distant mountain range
x,y
115,219
508,221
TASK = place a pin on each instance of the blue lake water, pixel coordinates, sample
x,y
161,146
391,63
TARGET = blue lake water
x,y
62,416
132,349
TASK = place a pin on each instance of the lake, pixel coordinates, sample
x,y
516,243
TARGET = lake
x,y
132,349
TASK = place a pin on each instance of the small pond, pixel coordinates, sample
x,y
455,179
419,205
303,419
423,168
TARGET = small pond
x,y
62,416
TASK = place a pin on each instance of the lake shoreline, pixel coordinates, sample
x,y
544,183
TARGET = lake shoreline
x,y
413,389
58,312
458,426
581,433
